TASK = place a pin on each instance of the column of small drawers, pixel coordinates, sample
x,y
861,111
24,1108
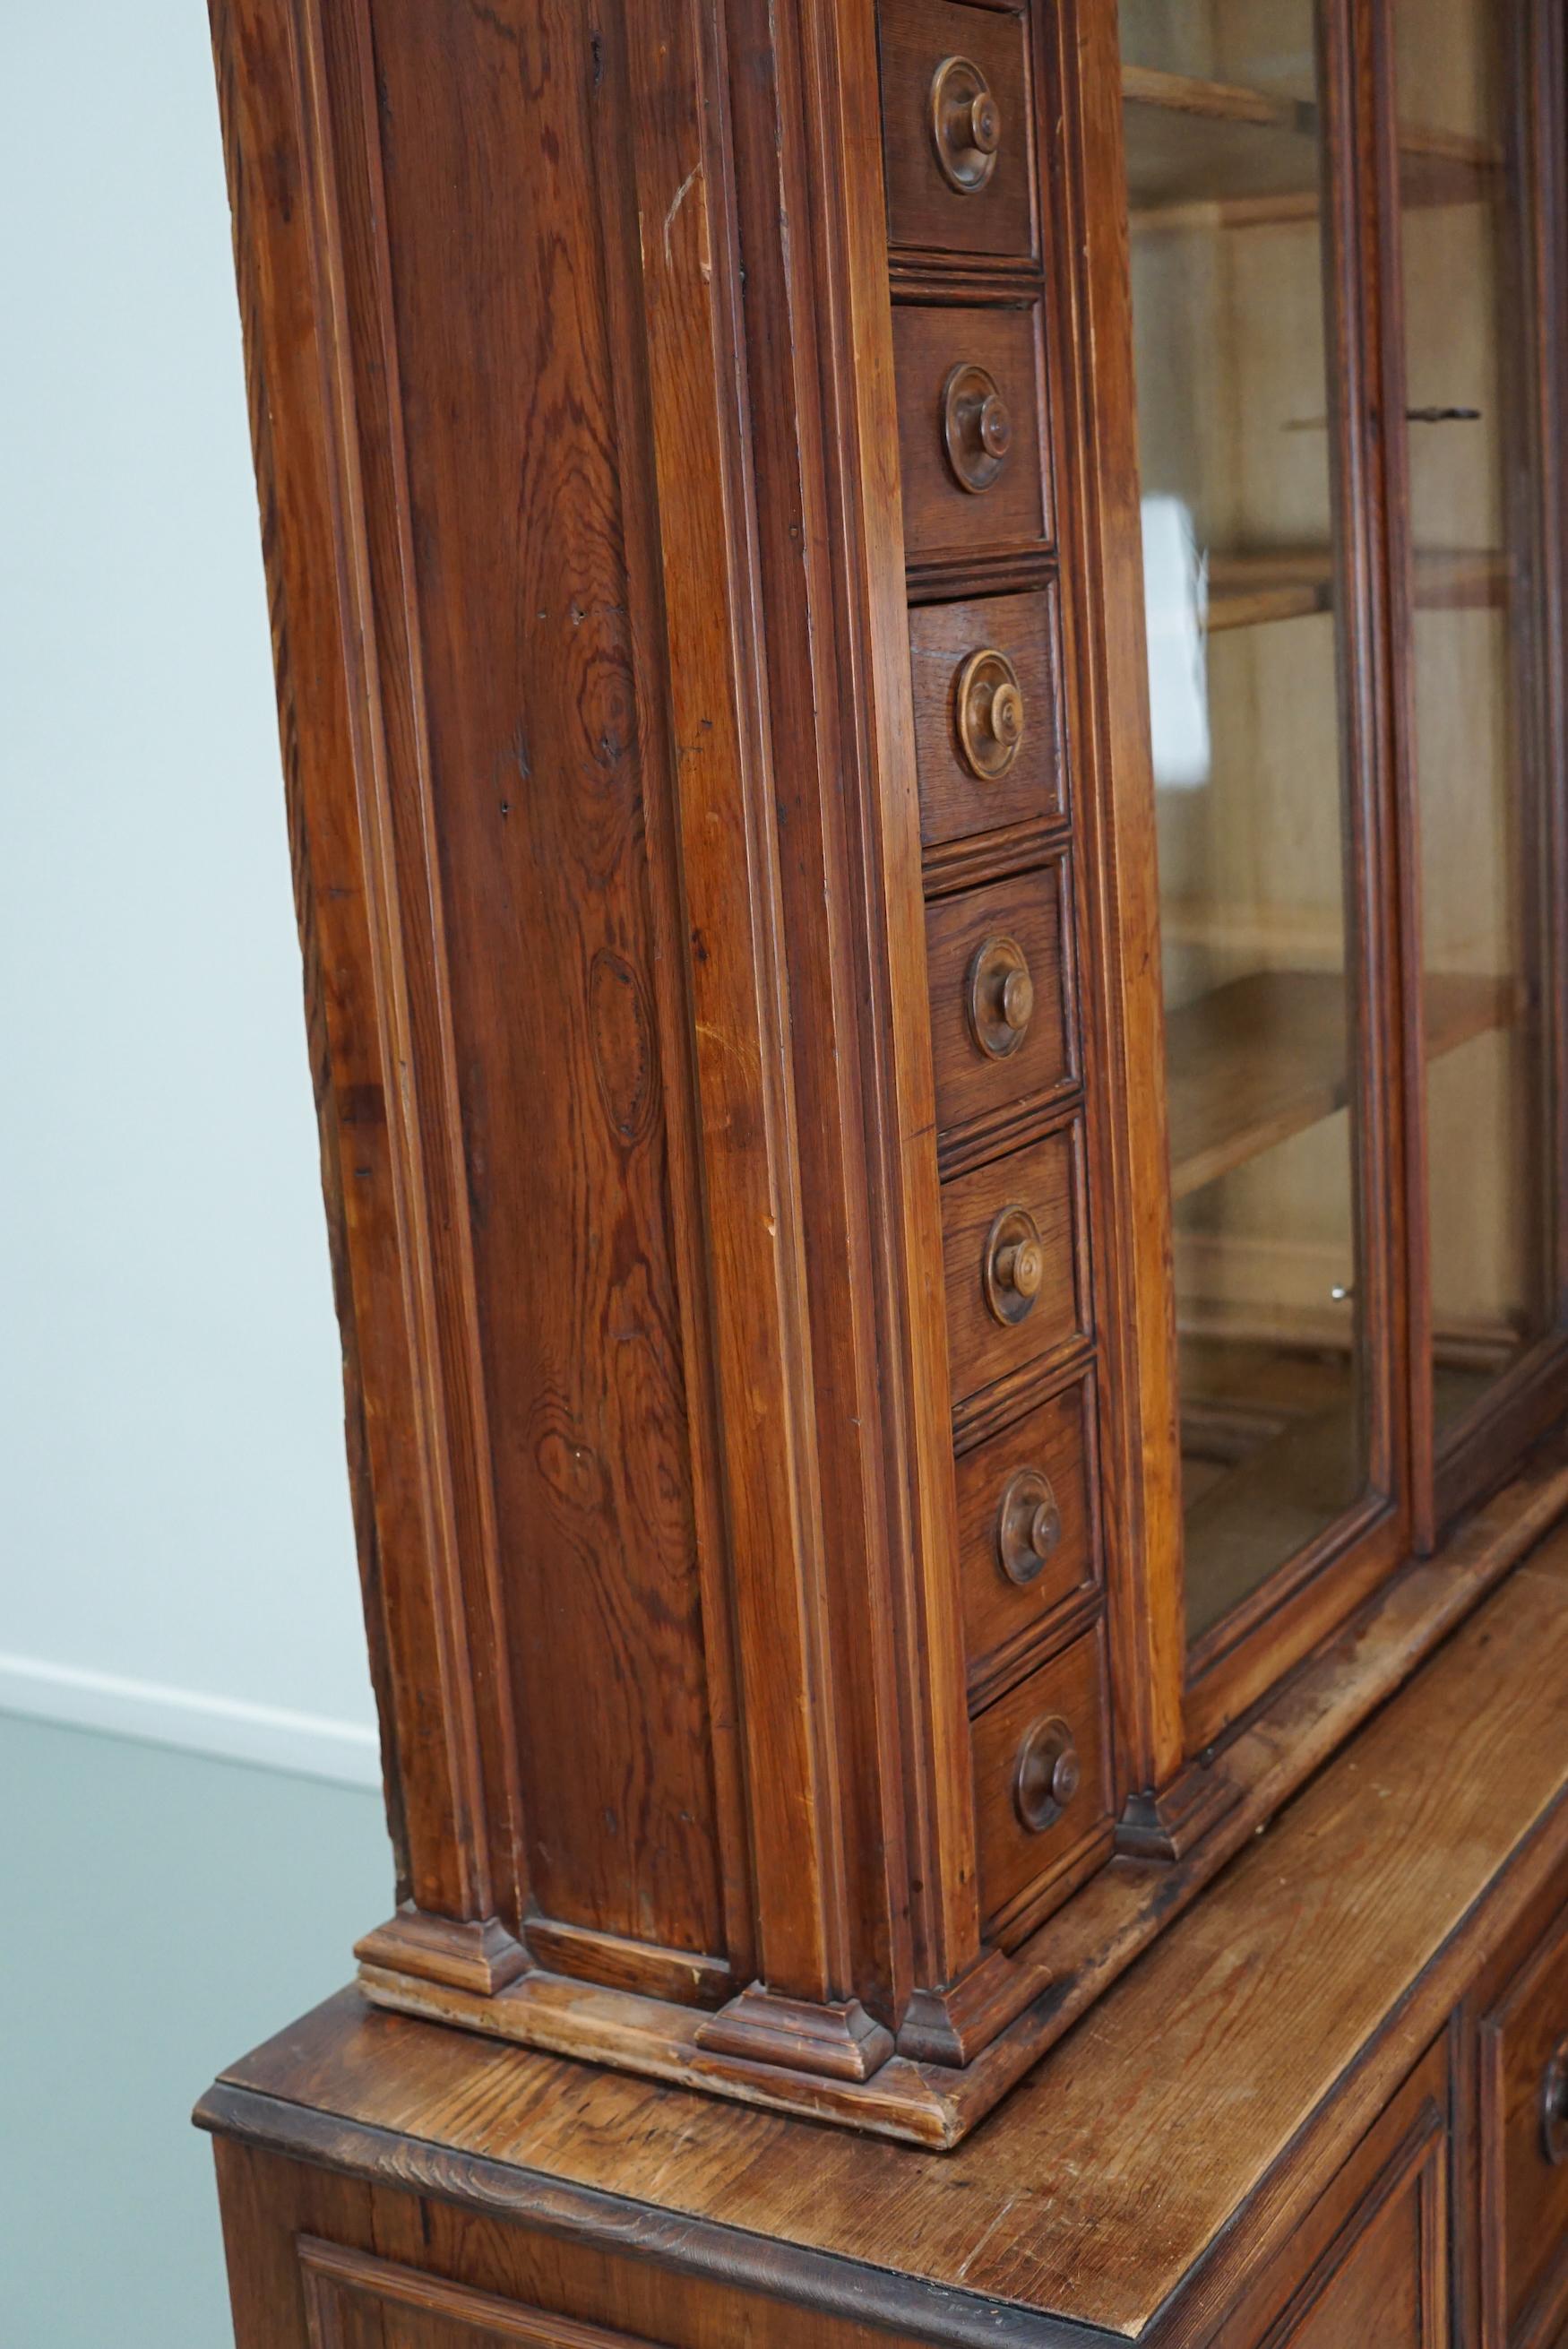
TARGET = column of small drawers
x,y
968,286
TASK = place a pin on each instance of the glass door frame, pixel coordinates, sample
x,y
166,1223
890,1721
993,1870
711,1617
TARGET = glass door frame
x,y
1447,1478
1230,1667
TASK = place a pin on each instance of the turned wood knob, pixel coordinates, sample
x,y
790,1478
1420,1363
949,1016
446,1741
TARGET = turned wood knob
x,y
1015,1265
1001,1002
1028,1526
1554,2106
976,426
1048,1775
989,701
965,125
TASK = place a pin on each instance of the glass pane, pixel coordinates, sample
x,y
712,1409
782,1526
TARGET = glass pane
x,y
1474,500
1243,581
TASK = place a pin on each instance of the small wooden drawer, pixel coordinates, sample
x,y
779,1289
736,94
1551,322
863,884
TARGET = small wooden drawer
x,y
1042,1786
957,798
1001,1021
964,374
1000,1316
1523,2093
944,192
1027,1545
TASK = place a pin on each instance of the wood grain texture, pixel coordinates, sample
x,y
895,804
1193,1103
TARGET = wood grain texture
x,y
1371,2261
445,2255
944,1910
1523,2232
955,804
1021,1871
1084,2194
975,1090
939,514
922,208
541,806
1002,1623
1047,1180
375,1004
351,2294
619,585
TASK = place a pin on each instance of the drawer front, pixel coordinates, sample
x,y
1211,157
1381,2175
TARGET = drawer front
x,y
1042,1786
943,67
961,794
950,364
1001,1028
1027,1545
1000,1315
1524,2045
1367,2265
353,2298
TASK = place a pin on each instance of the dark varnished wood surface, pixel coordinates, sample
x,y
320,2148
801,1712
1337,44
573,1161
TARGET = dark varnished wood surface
x,y
1021,1868
1046,1179
1370,2263
953,802
939,514
923,209
541,799
1002,1620
1113,2171
973,1089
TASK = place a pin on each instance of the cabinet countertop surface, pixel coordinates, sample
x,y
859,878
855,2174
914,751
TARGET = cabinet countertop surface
x,y
1320,1964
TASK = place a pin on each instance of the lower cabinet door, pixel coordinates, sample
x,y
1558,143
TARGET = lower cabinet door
x,y
1370,2266
355,2301
1522,2115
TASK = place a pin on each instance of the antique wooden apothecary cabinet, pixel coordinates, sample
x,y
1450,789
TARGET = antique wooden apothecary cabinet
x,y
920,651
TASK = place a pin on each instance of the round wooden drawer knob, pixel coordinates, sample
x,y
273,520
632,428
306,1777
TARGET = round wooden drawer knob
x,y
1028,1526
975,427
1001,998
966,123
1015,1268
990,705
1554,2106
1049,1773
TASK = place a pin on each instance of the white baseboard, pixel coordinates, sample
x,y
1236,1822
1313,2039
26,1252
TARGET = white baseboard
x,y
305,1744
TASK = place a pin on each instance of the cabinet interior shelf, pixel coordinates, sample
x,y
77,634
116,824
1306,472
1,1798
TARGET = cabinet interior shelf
x,y
1265,1057
1211,154
1246,590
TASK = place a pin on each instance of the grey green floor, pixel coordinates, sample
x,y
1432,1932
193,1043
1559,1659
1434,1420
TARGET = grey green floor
x,y
162,1913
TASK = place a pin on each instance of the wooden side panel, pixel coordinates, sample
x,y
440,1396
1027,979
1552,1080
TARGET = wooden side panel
x,y
380,1038
502,364
436,236
318,2263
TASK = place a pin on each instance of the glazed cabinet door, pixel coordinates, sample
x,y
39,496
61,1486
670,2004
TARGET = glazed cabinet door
x,y
1476,187
1345,292
1272,808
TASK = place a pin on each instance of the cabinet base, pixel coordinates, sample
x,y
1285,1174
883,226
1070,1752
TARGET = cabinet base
x,y
960,2052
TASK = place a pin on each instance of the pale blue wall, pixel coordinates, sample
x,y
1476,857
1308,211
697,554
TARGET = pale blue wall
x,y
173,1512
163,1913
175,1549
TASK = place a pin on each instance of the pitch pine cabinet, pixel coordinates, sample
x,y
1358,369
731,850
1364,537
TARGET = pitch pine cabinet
x,y
921,654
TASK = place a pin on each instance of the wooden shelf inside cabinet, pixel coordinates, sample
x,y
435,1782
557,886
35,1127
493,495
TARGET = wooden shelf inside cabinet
x,y
1265,1057
1249,590
1210,154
